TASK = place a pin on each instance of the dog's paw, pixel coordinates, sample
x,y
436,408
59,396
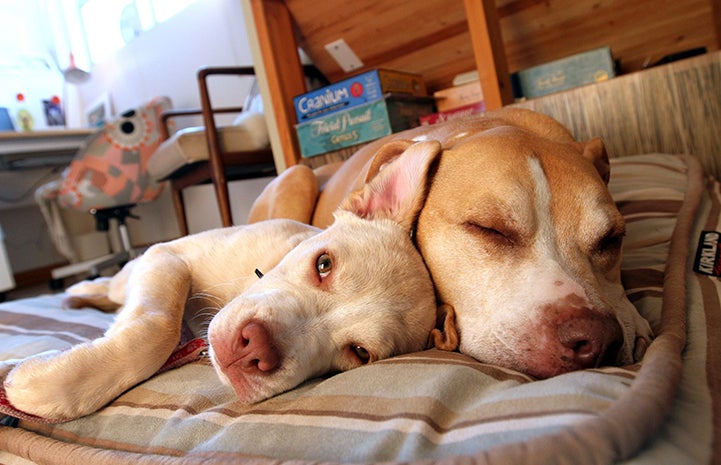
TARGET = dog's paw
x,y
644,336
96,286
46,387
25,387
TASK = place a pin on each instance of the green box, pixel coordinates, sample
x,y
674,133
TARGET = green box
x,y
360,124
577,70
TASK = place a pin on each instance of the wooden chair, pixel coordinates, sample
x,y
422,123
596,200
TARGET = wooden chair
x,y
212,153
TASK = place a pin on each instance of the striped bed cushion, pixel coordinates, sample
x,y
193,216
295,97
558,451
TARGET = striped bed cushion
x,y
430,405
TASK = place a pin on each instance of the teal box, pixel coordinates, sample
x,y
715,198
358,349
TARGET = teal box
x,y
577,70
360,124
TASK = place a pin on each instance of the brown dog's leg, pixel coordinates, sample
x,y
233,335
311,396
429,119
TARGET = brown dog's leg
x,y
291,195
99,301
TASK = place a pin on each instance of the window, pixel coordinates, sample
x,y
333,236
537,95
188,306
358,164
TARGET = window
x,y
110,24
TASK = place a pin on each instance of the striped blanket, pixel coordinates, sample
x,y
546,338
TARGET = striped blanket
x,y
435,406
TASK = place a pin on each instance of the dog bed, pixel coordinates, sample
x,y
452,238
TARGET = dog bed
x,y
436,406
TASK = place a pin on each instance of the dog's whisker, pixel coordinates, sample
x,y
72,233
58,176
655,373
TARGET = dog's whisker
x,y
200,322
203,334
502,340
214,299
204,315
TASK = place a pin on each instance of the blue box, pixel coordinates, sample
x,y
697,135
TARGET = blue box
x,y
361,123
573,71
354,91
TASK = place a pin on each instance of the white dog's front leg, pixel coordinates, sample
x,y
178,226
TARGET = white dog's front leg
x,y
88,376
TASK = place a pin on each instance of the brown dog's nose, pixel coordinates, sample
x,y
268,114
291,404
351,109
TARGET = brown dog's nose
x,y
255,349
594,340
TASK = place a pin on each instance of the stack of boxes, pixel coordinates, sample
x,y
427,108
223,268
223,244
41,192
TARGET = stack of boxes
x,y
466,97
359,109
457,102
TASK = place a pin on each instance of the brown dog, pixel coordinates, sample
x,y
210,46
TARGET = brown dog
x,y
519,232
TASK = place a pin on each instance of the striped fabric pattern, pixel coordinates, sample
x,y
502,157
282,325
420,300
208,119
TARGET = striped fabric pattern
x,y
429,405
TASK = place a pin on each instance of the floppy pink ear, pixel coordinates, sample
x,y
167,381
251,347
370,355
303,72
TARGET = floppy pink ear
x,y
399,190
385,155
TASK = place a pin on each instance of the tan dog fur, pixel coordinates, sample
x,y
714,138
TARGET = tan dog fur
x,y
330,300
519,233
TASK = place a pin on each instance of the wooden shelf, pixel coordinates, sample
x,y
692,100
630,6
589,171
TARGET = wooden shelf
x,y
442,38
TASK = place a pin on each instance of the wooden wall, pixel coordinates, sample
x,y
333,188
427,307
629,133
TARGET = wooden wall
x,y
675,108
431,36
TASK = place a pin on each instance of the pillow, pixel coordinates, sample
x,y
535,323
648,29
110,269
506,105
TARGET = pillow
x,y
111,169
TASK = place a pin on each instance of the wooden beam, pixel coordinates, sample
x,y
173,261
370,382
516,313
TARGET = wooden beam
x,y
489,51
282,73
716,14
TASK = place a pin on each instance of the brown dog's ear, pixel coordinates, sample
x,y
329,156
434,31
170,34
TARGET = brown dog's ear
x,y
399,190
444,336
595,151
385,155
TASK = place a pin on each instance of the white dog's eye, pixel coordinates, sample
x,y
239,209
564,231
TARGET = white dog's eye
x,y
361,353
324,265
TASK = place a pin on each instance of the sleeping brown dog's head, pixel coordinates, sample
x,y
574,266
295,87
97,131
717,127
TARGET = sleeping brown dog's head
x,y
523,240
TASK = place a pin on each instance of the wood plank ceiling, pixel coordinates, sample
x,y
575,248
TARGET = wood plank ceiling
x,y
431,37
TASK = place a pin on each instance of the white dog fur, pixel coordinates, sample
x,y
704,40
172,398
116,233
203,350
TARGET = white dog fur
x,y
330,300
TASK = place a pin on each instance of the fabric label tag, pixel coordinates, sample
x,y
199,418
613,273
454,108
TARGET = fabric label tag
x,y
707,254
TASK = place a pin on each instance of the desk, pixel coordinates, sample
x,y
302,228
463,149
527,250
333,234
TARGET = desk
x,y
40,148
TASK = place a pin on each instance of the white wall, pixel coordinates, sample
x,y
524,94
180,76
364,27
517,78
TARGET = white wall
x,y
202,208
162,61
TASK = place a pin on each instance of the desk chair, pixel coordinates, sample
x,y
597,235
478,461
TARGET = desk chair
x,y
107,178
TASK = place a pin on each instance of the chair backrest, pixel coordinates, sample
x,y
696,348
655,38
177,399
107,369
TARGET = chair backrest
x,y
111,169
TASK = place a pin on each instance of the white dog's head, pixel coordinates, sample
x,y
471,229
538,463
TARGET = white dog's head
x,y
357,292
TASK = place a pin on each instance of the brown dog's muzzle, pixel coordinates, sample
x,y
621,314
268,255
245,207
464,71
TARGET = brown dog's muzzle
x,y
593,340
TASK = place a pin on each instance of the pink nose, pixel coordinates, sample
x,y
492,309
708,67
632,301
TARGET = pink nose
x,y
594,340
255,350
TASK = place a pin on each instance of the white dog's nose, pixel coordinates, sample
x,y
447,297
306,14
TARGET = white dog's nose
x,y
255,349
250,350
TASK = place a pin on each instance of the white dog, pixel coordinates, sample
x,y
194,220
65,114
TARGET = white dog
x,y
329,301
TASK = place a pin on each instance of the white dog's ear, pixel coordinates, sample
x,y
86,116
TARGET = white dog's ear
x,y
398,191
385,155
595,152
